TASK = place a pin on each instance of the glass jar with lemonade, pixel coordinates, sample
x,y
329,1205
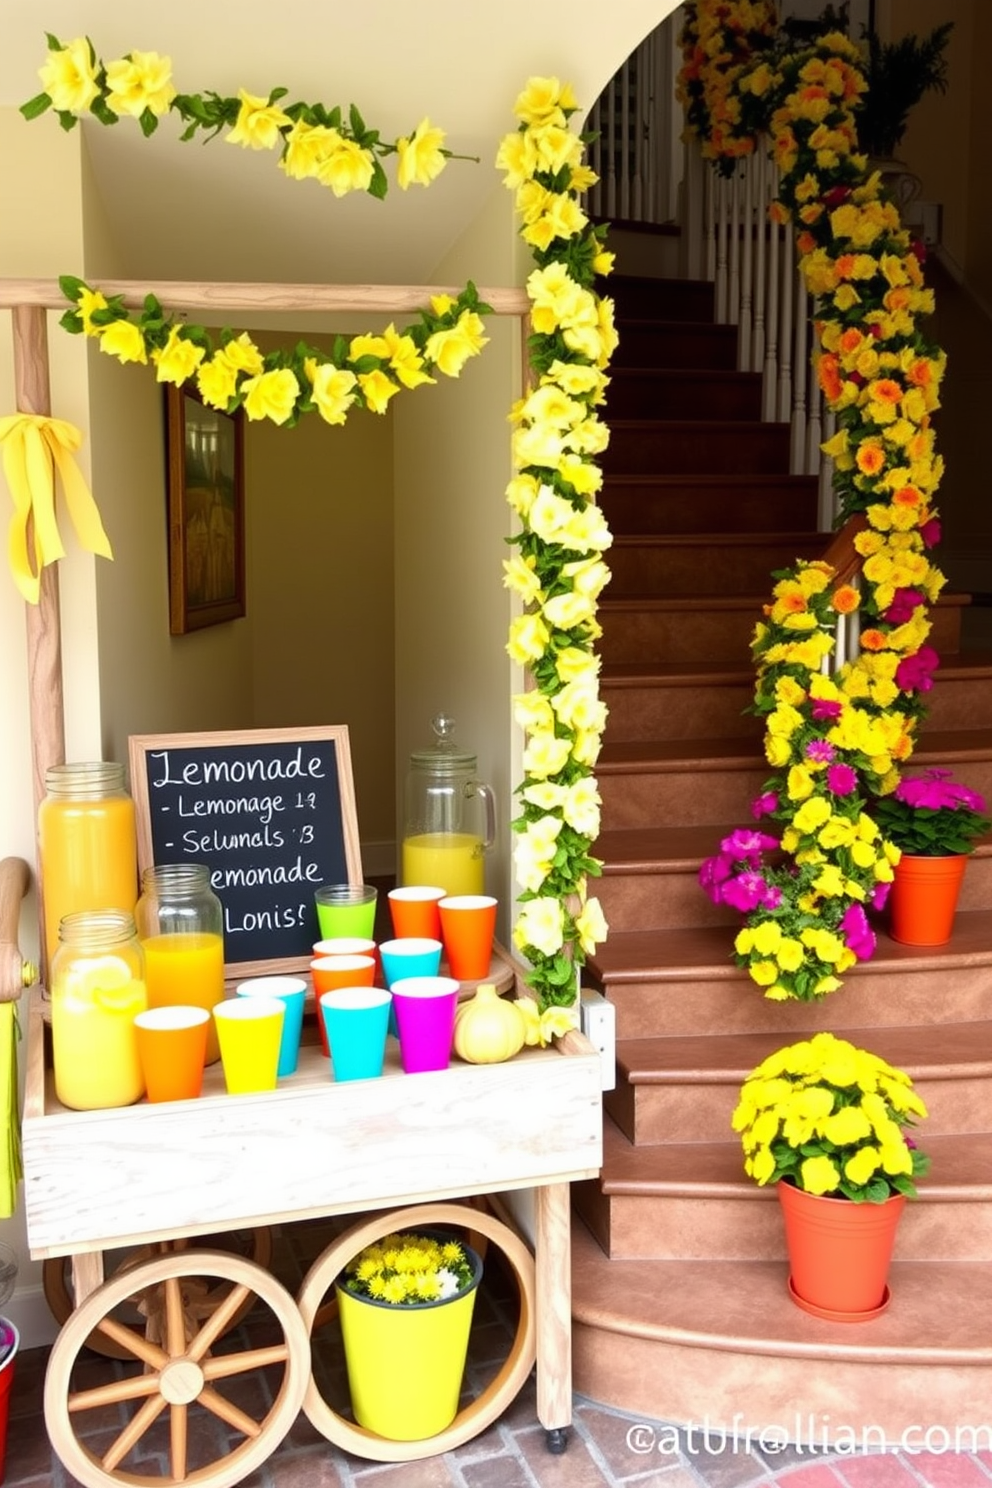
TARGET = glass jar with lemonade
x,y
87,850
181,928
450,817
97,987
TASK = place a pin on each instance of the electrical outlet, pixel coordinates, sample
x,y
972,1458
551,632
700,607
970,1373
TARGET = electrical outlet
x,y
599,1024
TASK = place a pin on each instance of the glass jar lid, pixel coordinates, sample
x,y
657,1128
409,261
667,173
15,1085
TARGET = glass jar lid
x,y
445,757
89,780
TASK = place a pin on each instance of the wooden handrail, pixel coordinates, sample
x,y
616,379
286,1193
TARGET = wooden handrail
x,y
387,299
15,972
842,555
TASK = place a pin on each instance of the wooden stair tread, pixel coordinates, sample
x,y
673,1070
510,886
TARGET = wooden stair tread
x,y
704,953
657,849
938,1315
961,1168
717,539
753,602
945,1051
737,753
696,427
675,673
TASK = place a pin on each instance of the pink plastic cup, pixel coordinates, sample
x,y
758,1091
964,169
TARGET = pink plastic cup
x,y
425,1020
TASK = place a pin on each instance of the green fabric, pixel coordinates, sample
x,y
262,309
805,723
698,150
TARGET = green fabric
x,y
10,1138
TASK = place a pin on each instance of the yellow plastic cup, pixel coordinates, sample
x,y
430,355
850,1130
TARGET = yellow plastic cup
x,y
250,1032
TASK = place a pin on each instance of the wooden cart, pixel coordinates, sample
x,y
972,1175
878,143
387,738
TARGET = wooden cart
x,y
149,1173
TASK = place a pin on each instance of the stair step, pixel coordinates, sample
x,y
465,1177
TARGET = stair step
x,y
695,700
686,1086
674,445
680,563
692,781
671,343
650,628
635,295
693,503
681,700
682,393
681,980
692,1341
695,1200
650,878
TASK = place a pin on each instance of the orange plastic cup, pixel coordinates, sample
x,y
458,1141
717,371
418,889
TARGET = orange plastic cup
x,y
468,924
414,913
172,1050
331,972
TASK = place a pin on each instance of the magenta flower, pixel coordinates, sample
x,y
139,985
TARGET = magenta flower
x,y
820,751
713,873
842,780
750,890
747,844
930,532
936,791
903,604
858,934
880,895
825,708
915,673
764,805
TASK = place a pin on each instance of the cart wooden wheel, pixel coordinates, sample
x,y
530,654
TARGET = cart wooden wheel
x,y
481,1411
202,1298
178,1402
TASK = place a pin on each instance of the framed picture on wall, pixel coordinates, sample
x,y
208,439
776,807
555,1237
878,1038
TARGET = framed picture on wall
x,y
206,511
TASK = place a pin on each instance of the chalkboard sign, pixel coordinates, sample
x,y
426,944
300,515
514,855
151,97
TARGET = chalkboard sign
x,y
271,812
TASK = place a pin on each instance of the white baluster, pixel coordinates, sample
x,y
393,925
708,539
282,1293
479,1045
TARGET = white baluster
x,y
722,193
734,192
787,281
624,133
769,393
747,267
710,209
757,361
797,453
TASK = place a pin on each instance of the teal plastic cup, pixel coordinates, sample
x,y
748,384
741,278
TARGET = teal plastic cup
x,y
292,993
356,1020
346,909
411,956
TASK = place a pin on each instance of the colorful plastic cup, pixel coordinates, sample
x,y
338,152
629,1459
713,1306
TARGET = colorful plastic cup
x,y
425,1018
331,972
410,957
355,1022
250,1031
346,909
468,924
292,993
172,1050
413,911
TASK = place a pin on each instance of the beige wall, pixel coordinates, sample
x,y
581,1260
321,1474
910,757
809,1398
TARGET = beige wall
x,y
320,583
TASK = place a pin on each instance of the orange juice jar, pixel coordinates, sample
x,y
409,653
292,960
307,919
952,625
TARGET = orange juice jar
x,y
97,988
87,848
181,928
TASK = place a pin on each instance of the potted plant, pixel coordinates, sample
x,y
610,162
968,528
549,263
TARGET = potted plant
x,y
935,821
829,1124
405,1304
898,75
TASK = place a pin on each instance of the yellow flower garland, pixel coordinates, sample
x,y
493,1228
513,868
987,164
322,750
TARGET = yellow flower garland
x,y
558,571
841,738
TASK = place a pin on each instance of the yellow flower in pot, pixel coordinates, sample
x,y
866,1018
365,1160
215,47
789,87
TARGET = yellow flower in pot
x,y
405,1304
829,1124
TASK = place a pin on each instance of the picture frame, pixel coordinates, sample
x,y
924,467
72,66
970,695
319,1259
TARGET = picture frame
x,y
206,516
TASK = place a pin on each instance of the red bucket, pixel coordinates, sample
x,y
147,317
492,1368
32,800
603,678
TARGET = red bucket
x,y
6,1385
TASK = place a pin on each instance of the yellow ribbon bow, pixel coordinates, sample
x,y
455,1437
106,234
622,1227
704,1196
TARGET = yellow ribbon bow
x,y
33,447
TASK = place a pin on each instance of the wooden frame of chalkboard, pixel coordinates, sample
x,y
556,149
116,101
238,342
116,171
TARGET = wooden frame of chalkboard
x,y
271,812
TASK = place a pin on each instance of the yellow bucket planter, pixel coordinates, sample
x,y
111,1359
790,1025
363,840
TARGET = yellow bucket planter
x,y
406,1363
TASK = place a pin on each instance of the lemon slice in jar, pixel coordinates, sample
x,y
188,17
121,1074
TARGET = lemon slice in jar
x,y
109,982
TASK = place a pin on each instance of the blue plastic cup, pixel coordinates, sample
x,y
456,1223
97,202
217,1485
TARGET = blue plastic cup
x,y
356,1020
409,957
292,992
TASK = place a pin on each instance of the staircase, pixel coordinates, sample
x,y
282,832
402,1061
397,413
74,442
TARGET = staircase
x,y
680,1305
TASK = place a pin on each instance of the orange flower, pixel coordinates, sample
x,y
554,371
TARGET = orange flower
x,y
920,373
896,299
828,375
851,339
873,640
845,266
886,390
805,242
845,599
870,457
907,496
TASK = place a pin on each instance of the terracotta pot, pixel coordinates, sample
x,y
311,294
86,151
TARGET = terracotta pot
x,y
839,1253
924,898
